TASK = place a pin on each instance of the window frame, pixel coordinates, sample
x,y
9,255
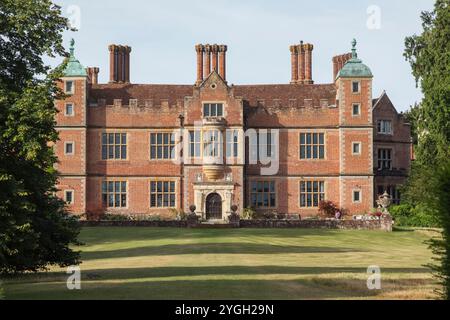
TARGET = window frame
x,y
379,127
163,193
73,109
360,195
108,145
73,196
312,193
115,193
170,145
354,143
353,109
72,92
193,144
66,143
384,159
263,193
359,86
312,145
217,143
210,108
232,147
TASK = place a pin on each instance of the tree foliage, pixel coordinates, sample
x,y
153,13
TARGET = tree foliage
x,y
428,186
35,229
429,56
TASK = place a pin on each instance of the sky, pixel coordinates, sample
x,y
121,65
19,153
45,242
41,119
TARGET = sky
x,y
258,33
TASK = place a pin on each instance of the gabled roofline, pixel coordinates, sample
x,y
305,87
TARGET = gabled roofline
x,y
385,95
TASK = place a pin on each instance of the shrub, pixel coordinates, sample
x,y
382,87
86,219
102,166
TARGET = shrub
x,y
114,217
407,215
248,213
270,215
329,209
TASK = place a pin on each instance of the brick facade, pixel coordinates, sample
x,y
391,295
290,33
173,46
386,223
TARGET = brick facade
x,y
122,136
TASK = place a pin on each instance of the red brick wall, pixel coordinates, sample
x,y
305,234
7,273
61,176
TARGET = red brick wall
x,y
341,170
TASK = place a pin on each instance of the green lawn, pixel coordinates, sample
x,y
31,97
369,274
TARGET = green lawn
x,y
148,263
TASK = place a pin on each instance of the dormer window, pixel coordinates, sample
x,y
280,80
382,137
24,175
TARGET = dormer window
x,y
69,87
212,110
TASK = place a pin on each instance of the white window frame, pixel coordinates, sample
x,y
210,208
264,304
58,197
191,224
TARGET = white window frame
x,y
353,196
379,127
353,148
359,109
73,87
209,109
73,148
359,87
73,109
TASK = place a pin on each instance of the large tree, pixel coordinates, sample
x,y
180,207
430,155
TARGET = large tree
x,y
35,229
429,56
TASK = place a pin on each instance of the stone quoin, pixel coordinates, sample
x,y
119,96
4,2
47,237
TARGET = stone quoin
x,y
151,149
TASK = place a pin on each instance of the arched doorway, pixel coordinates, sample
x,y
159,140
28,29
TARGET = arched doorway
x,y
214,207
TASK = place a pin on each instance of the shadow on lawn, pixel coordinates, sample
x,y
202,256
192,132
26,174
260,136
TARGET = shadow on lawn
x,y
101,235
314,288
209,248
159,272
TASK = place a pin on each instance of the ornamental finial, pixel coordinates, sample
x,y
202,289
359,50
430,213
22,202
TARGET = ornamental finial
x,y
354,54
72,46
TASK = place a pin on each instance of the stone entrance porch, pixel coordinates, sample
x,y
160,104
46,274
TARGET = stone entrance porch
x,y
206,190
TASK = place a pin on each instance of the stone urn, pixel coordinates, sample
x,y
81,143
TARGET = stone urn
x,y
234,217
384,202
192,218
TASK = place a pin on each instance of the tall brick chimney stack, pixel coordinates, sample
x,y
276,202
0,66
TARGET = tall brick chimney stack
x,y
210,58
199,49
301,63
294,64
222,61
214,60
207,68
92,73
308,63
119,64
339,62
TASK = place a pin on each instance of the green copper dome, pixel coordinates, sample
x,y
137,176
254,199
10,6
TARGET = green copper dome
x,y
354,68
74,67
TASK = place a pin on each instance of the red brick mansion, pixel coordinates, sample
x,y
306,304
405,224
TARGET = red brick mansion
x,y
153,148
